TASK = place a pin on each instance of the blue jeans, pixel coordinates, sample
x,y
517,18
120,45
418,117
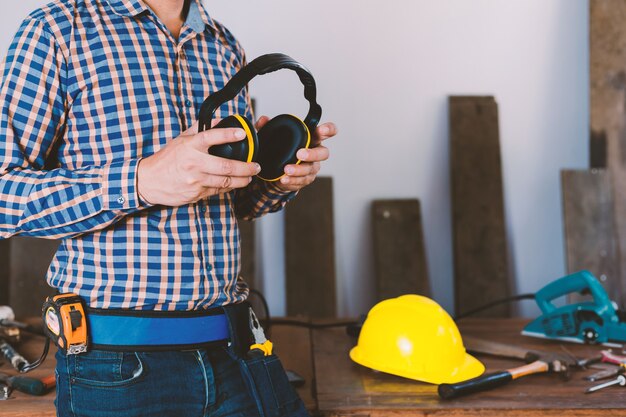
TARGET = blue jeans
x,y
198,383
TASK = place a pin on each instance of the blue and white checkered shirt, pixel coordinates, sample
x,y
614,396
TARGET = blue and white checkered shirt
x,y
88,88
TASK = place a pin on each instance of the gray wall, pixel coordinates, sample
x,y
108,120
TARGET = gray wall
x,y
384,69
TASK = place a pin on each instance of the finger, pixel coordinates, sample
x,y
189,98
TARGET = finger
x,y
204,140
214,165
215,122
225,182
321,153
262,122
296,183
325,131
302,170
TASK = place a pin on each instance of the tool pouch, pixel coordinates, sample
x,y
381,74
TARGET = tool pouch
x,y
265,376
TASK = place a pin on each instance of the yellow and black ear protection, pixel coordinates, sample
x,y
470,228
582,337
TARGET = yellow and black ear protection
x,y
275,145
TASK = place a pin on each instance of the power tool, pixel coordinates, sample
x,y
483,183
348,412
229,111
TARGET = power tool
x,y
595,321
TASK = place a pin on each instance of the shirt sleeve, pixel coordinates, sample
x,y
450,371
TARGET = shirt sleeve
x,y
36,201
260,198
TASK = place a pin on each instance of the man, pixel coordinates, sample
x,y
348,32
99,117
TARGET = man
x,y
99,148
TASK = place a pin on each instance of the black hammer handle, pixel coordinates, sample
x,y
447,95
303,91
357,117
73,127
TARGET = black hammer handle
x,y
481,383
490,381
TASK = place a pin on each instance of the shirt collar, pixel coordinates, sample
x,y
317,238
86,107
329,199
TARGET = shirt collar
x,y
129,8
198,18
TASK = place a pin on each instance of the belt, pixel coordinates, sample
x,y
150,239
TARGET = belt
x,y
131,330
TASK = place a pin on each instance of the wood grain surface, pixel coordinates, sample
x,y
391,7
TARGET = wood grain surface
x,y
347,389
481,268
588,218
608,111
30,259
5,269
399,249
310,252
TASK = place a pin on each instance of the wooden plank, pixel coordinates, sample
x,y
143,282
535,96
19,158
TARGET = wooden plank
x,y
30,259
590,240
310,252
399,250
5,271
481,269
347,389
598,150
608,114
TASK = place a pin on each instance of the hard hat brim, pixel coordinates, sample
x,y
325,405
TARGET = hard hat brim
x,y
468,369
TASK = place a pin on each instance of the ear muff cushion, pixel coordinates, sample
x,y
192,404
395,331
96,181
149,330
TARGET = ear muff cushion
x,y
244,150
279,141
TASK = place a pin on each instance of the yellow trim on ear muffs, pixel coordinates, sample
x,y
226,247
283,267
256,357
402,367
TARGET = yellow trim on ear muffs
x,y
246,128
306,146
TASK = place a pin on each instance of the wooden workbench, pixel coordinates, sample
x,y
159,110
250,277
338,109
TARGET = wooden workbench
x,y
337,387
347,389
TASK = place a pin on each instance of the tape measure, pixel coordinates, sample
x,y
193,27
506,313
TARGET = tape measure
x,y
65,322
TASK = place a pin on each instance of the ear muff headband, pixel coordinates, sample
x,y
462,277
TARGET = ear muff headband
x,y
262,65
246,129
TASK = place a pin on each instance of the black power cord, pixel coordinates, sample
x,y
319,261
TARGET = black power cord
x,y
520,297
353,327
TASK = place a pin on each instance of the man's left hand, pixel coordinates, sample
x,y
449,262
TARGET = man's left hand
x,y
299,176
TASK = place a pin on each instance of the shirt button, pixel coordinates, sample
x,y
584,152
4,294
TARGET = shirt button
x,y
203,209
188,103
121,200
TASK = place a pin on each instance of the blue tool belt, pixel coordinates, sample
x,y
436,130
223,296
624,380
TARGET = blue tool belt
x,y
130,330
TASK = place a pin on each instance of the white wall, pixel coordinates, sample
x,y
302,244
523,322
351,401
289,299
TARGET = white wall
x,y
384,70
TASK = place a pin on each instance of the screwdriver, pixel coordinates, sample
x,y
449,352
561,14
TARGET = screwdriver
x,y
28,385
620,380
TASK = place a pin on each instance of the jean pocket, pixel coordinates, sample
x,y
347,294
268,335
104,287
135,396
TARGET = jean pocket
x,y
104,369
271,387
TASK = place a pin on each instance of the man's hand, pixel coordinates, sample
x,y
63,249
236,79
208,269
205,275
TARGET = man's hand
x,y
183,172
299,176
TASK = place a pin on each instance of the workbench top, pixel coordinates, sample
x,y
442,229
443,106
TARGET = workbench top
x,y
347,389
337,387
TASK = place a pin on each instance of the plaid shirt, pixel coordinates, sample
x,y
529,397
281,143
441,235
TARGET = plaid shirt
x,y
88,88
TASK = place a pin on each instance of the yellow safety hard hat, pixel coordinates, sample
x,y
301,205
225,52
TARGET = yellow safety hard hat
x,y
413,337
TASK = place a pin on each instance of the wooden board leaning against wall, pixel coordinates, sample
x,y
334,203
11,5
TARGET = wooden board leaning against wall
x,y
481,267
608,116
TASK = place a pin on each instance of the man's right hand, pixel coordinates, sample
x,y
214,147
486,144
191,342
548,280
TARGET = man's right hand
x,y
183,172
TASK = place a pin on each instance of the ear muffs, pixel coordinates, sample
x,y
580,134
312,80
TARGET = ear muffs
x,y
279,141
281,138
245,150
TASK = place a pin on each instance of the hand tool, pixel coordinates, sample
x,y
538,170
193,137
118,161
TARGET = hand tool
x,y
66,323
9,333
539,362
28,385
596,321
5,391
620,380
17,361
261,345
606,356
606,371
